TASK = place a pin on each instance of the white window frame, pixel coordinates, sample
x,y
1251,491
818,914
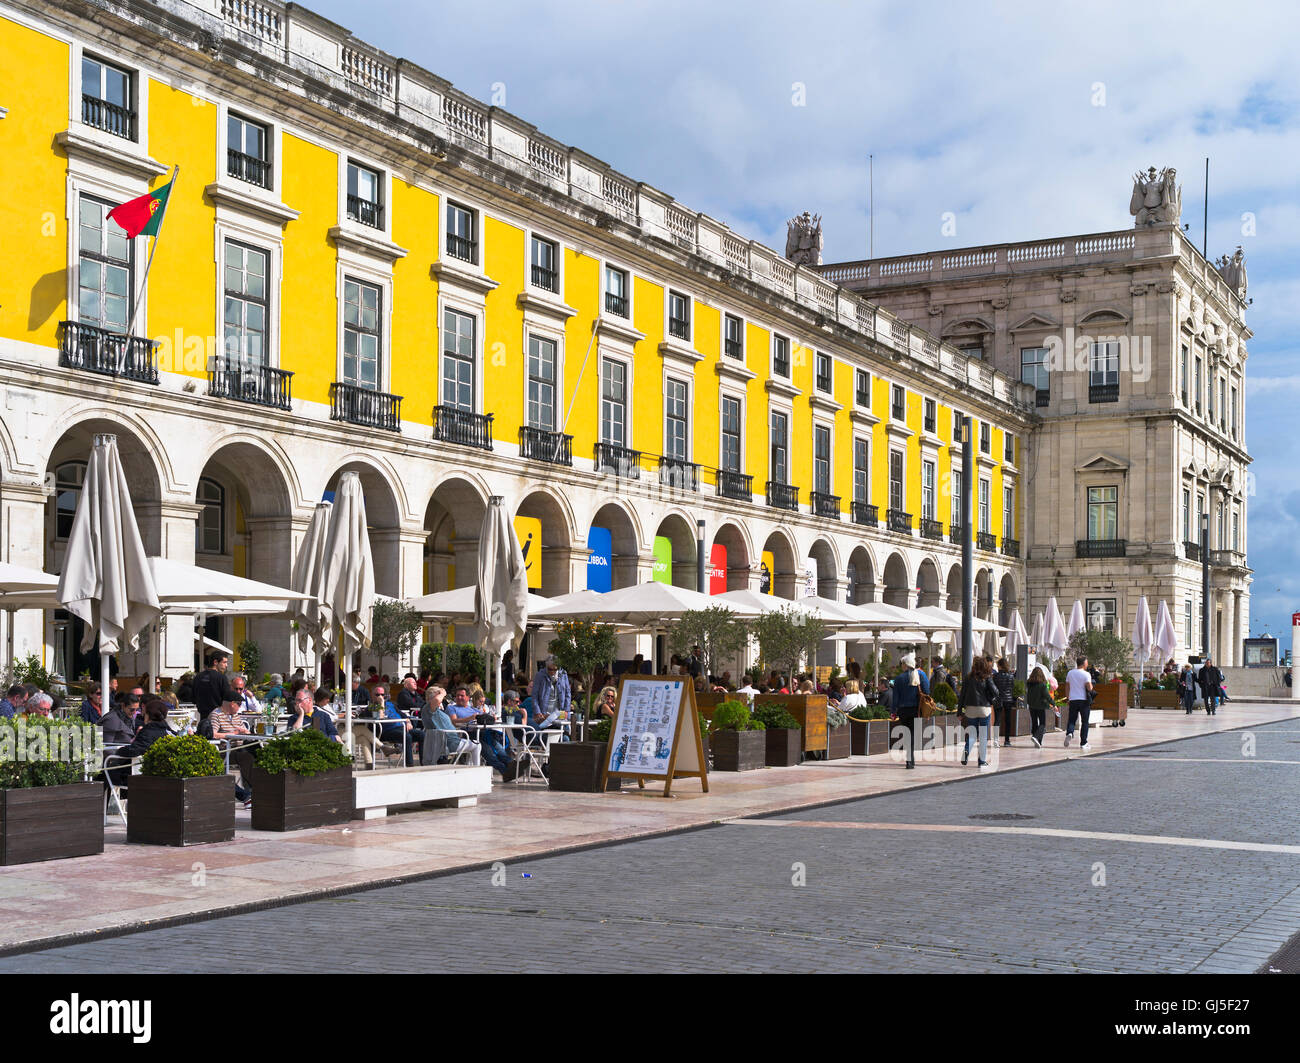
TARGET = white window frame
x,y
445,204
830,365
744,328
558,245
788,413
347,155
274,139
461,306
738,397
892,415
669,337
629,405
542,332
788,375
902,478
1008,512
269,237
111,188
679,378
929,507
629,284
141,75
383,376
830,454
858,373
860,437
985,517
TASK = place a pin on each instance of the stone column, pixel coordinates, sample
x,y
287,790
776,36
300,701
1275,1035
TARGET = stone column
x,y
173,523
269,559
22,519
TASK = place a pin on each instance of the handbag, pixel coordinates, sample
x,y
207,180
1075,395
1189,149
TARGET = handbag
x,y
927,705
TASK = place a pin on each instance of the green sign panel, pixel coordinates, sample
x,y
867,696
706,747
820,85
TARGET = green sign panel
x,y
663,563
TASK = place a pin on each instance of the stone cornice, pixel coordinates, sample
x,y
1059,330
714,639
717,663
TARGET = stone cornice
x,y
115,157
364,243
246,203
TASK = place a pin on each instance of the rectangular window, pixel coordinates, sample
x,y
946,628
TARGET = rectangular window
x,y
896,479
861,471
986,437
1188,614
822,459
984,505
248,151
1235,422
973,351
1200,516
957,512
780,356
1182,374
1220,529
613,402
780,454
676,422
246,306
1033,370
930,415
956,426
898,402
1101,614
616,292
1103,513
106,268
365,196
927,490
862,388
1187,516
679,315
545,272
1209,400
462,233
108,97
541,383
458,360
1008,513
824,372
1008,448
1223,403
1103,372
361,334
731,428
733,345
1236,532
1196,386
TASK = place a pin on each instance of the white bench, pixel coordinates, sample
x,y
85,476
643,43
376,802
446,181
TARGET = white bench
x,y
443,786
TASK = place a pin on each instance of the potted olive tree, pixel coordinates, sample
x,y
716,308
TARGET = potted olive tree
x,y
301,780
182,795
784,637
736,738
47,809
580,647
714,630
784,748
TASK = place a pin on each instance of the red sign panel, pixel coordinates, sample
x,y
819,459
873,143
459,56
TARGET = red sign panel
x,y
718,569
1295,619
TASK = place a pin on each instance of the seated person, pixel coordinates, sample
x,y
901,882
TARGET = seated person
x,y
437,719
227,726
464,716
92,710
551,696
155,727
399,732
606,702
313,711
39,704
119,721
276,689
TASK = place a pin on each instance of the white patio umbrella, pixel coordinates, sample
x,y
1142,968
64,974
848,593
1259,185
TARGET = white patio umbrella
x,y
1016,636
501,595
1166,638
1055,639
751,600
348,576
1077,620
311,614
24,588
106,579
457,606
1036,637
211,644
1143,638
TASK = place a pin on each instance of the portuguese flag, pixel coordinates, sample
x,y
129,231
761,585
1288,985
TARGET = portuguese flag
x,y
144,214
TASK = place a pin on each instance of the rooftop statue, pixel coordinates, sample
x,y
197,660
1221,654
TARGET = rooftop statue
x,y
1156,197
803,239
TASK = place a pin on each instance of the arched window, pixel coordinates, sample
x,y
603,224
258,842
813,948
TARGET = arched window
x,y
209,530
68,479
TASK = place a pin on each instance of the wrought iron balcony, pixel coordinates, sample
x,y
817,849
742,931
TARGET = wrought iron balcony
x,y
1100,547
540,445
98,350
866,514
955,532
462,248
987,541
1010,547
451,424
863,399
679,327
545,278
732,348
782,496
1042,397
825,505
679,474
931,529
259,384
735,485
120,121
898,521
621,461
1192,550
897,412
248,168
824,382
1103,393
372,409
366,212
615,304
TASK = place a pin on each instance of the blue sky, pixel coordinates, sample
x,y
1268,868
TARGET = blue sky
x,y
1025,121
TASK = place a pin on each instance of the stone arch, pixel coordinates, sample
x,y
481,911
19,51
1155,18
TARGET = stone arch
x,y
680,532
7,452
625,542
898,584
556,549
136,436
785,569
453,520
927,583
826,558
384,509
861,576
735,538
983,593
953,587
1009,598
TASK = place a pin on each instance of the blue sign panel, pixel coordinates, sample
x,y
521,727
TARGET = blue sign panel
x,y
600,560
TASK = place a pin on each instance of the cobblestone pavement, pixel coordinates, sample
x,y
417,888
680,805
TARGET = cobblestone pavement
x,y
877,896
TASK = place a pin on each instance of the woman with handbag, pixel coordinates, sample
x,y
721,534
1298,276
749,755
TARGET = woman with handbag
x,y
978,696
908,687
1040,700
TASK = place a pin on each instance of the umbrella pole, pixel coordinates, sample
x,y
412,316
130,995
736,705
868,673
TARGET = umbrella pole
x,y
9,638
103,683
347,698
498,686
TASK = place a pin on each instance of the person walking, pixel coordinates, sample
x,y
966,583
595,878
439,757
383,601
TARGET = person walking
x,y
908,686
978,696
1210,679
1004,679
1079,683
1187,688
1040,700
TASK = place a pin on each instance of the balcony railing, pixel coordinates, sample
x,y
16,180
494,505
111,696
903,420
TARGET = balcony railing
x,y
955,533
735,485
371,409
366,211
733,349
621,461
825,505
679,327
679,474
1100,547
540,445
1228,558
248,168
544,278
260,385
97,350
451,424
931,529
898,520
615,304
1103,393
866,514
1010,547
1192,550
462,247
987,541
824,382
782,496
120,121
1042,398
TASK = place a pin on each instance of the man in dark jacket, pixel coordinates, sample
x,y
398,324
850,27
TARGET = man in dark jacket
x,y
119,721
1004,679
155,714
211,687
1210,678
908,687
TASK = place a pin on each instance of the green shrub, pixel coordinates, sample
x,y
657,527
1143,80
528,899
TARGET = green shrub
x,y
307,752
182,757
1169,682
1151,683
599,731
250,657
734,716
775,718
1018,688
29,670
944,695
1128,679
50,750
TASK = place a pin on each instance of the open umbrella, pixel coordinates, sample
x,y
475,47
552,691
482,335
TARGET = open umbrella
x,y
311,614
1055,639
106,579
348,576
1143,637
1166,638
501,595
24,588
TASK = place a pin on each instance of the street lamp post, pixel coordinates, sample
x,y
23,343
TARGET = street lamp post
x,y
967,549
700,574
1205,585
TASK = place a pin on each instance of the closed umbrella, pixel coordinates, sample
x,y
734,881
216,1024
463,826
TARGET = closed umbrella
x,y
1165,638
1143,637
1077,621
1055,640
311,614
1036,636
348,576
501,595
1016,636
106,579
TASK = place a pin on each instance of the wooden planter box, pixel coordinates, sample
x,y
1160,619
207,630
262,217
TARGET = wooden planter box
x,y
738,750
859,736
808,709
289,801
839,743
1112,699
783,747
878,737
1019,724
51,822
1159,699
180,811
575,768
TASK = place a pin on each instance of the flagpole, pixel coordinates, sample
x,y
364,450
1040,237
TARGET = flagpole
x,y
130,328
